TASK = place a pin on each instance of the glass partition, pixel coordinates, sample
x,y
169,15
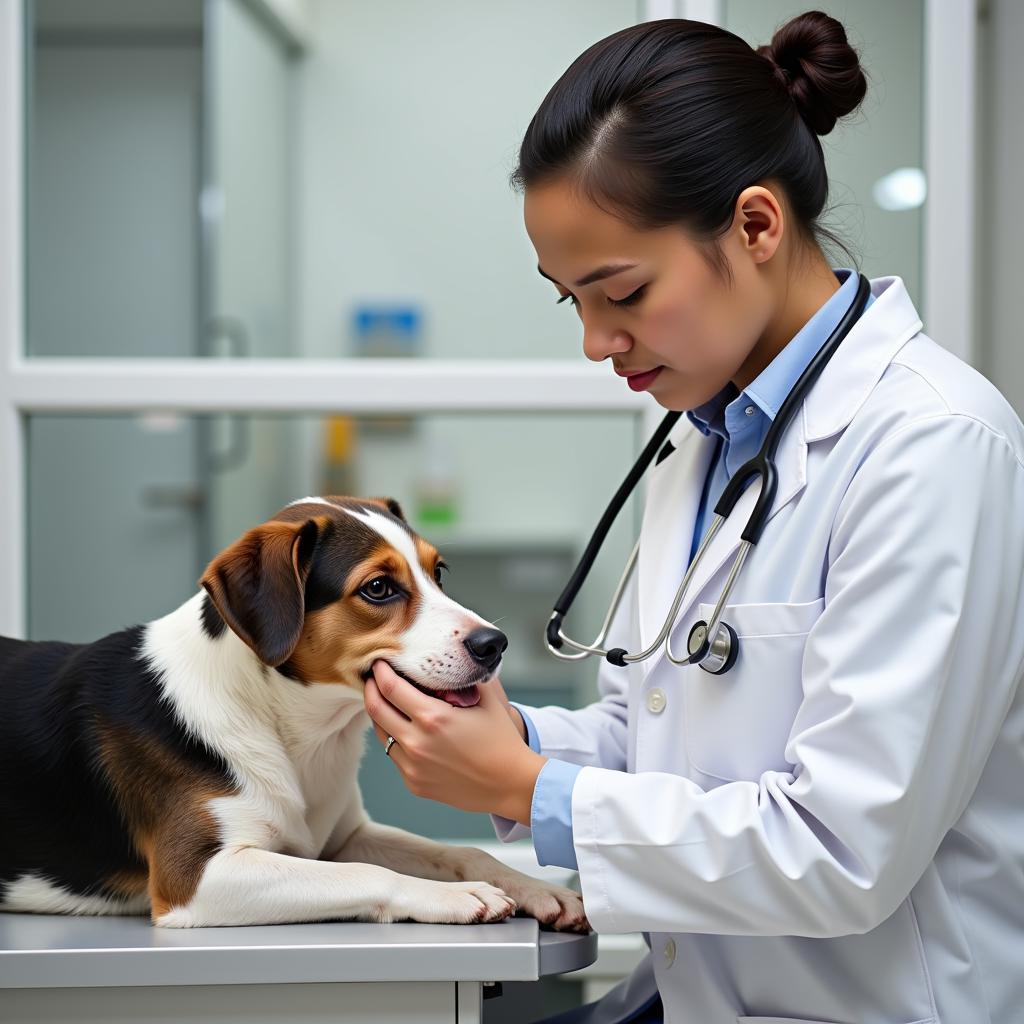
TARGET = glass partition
x,y
200,187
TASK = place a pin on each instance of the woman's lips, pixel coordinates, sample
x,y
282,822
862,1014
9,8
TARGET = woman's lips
x,y
641,381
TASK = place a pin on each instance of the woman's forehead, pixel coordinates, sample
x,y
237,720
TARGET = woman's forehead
x,y
558,215
572,236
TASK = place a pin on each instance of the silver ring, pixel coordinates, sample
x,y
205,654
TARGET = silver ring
x,y
387,746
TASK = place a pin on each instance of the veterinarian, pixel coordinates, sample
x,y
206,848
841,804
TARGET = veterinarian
x,y
832,829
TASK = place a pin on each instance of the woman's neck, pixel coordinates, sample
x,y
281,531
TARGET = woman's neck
x,y
801,297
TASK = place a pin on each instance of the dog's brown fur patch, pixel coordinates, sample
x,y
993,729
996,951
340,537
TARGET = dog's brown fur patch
x,y
126,884
163,800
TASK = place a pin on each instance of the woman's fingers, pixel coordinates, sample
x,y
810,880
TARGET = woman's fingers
x,y
384,715
399,692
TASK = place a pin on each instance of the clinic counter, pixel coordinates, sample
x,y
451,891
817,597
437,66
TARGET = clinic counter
x,y
121,969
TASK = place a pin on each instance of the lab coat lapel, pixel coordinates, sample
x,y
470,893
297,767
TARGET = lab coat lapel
x,y
670,511
668,530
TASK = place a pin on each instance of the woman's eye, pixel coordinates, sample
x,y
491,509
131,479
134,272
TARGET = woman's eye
x,y
437,572
380,589
629,300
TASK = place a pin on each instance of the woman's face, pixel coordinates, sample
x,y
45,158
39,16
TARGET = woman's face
x,y
665,309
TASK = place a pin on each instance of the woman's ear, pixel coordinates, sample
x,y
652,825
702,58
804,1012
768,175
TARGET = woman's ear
x,y
759,219
258,585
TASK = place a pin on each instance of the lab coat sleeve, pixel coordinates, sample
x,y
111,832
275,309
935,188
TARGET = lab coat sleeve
x,y
551,813
907,676
594,735
532,739
550,809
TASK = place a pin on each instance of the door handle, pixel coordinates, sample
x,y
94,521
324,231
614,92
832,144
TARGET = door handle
x,y
168,496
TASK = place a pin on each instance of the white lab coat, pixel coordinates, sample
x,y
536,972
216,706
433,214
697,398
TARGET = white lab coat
x,y
833,831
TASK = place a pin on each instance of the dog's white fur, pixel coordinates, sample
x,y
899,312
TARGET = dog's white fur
x,y
37,895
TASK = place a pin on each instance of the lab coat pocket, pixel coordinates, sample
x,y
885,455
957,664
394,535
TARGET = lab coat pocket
x,y
803,1020
737,723
781,1020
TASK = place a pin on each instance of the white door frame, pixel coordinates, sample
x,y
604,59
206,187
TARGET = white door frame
x,y
951,139
100,386
13,533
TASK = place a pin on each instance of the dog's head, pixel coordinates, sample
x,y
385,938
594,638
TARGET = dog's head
x,y
328,585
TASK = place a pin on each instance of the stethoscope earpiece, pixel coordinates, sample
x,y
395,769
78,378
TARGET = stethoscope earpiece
x,y
717,657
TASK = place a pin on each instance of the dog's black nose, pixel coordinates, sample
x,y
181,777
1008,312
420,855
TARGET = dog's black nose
x,y
486,646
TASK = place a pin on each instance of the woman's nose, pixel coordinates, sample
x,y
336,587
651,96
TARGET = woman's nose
x,y
600,343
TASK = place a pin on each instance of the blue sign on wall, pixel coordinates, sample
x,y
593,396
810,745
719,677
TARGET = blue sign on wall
x,y
380,330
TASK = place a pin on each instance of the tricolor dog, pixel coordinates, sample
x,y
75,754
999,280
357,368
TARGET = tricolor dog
x,y
201,767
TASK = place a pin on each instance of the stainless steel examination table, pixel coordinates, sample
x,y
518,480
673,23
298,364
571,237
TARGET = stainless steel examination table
x,y
120,969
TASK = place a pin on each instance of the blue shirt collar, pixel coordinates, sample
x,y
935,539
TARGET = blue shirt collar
x,y
724,414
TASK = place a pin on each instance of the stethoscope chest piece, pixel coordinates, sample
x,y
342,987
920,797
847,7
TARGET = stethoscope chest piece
x,y
720,655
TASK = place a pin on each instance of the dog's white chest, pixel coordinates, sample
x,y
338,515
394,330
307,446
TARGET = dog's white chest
x,y
325,751
327,776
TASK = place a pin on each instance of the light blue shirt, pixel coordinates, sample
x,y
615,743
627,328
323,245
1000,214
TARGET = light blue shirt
x,y
740,420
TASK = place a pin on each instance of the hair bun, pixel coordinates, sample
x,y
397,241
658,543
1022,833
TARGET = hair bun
x,y
816,63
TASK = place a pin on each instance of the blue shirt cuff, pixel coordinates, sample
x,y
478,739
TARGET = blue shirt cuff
x,y
551,814
531,730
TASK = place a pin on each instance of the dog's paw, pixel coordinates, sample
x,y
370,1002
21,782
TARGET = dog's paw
x,y
553,905
418,899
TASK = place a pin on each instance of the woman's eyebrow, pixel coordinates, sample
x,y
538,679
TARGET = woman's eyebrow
x,y
608,270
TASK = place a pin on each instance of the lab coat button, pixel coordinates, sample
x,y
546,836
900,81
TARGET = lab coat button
x,y
670,953
656,702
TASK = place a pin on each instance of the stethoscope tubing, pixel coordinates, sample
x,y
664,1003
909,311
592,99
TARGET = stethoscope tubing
x,y
589,556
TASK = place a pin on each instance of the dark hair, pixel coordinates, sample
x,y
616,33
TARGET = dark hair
x,y
666,122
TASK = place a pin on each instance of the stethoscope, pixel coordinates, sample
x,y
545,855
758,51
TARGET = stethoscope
x,y
712,645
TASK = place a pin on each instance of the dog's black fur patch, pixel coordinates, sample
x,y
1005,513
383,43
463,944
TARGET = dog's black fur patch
x,y
212,620
63,817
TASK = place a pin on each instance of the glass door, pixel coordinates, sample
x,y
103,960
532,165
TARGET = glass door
x,y
113,183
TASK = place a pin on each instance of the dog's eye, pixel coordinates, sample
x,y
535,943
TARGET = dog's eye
x,y
379,590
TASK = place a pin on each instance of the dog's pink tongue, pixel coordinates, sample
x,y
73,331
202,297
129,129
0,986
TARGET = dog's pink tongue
x,y
465,698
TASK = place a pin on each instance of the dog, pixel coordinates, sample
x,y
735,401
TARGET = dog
x,y
202,767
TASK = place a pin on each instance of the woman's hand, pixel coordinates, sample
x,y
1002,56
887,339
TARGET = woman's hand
x,y
471,758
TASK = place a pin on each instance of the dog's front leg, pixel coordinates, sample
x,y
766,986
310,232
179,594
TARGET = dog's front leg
x,y
553,905
251,886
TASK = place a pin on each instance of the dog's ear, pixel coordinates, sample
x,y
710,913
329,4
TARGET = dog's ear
x,y
258,585
394,508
